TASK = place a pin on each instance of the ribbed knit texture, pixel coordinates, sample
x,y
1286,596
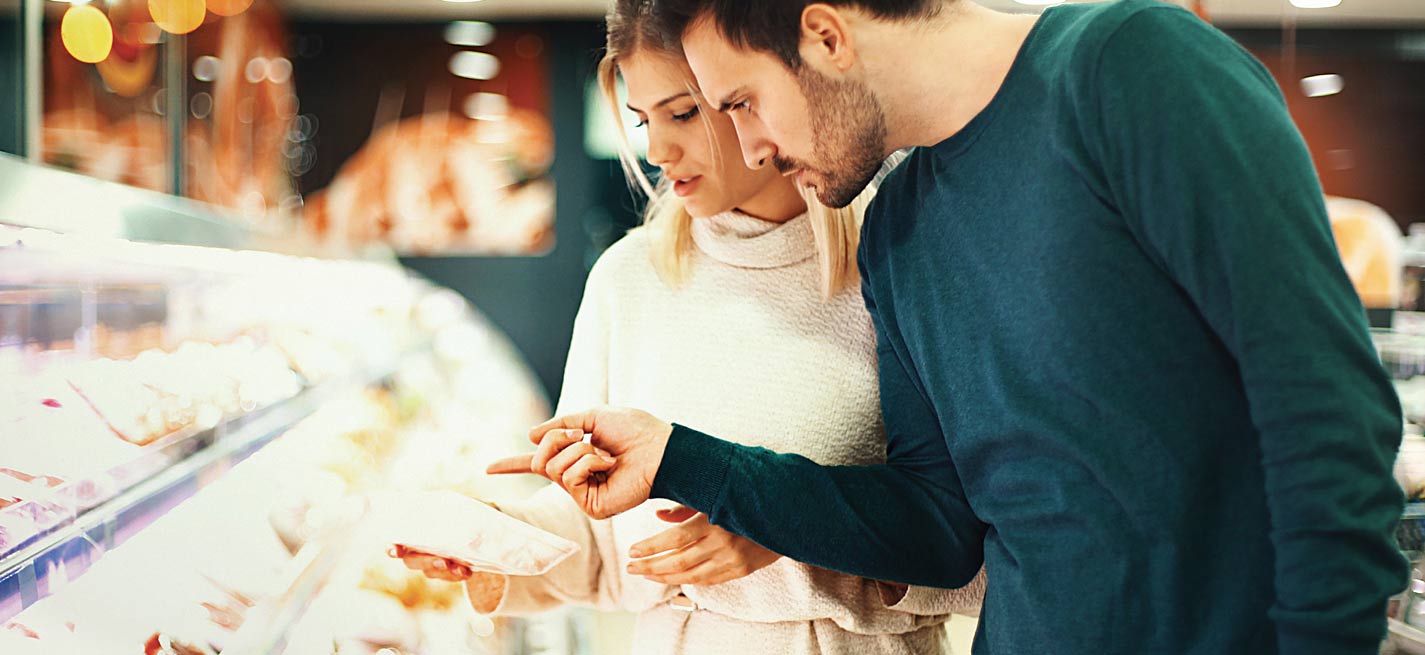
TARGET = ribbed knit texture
x,y
748,349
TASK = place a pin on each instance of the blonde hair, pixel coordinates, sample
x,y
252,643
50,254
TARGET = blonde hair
x,y
836,232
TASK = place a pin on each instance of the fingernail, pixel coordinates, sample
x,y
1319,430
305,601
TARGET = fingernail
x,y
635,553
607,459
440,564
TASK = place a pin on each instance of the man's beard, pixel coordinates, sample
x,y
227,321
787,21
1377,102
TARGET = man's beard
x,y
849,133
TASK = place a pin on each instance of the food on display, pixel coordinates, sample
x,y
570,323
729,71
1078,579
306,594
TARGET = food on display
x,y
402,387
40,480
158,393
1371,248
162,644
440,182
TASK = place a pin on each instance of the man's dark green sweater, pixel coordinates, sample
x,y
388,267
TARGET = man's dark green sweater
x,y
1121,365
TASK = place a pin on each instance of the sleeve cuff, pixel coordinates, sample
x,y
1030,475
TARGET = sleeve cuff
x,y
1299,643
693,469
930,601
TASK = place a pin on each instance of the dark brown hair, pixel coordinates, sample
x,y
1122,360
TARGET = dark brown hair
x,y
771,25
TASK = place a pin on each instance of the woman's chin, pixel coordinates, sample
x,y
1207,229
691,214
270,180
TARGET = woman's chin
x,y
700,210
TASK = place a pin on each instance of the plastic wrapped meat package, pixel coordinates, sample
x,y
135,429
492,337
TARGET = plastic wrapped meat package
x,y
159,392
54,456
461,528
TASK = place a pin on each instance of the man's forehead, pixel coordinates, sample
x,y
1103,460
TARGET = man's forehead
x,y
714,60
707,49
704,35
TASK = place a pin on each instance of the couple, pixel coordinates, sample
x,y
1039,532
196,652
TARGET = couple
x,y
1120,365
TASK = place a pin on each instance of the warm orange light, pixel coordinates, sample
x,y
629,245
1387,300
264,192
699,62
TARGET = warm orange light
x,y
86,33
129,78
178,16
228,7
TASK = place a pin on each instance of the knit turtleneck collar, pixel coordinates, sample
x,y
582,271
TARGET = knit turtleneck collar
x,y
737,239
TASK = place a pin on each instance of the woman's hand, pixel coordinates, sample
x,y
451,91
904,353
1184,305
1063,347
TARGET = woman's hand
x,y
696,552
485,590
434,567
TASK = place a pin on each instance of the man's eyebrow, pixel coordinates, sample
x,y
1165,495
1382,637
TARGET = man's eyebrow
x,y
726,102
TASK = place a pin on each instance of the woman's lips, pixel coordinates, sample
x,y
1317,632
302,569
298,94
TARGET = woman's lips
x,y
683,188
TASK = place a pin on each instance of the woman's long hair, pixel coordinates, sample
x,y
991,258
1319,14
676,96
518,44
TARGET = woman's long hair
x,y
835,231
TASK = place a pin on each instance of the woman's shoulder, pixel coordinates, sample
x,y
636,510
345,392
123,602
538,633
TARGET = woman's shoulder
x,y
625,261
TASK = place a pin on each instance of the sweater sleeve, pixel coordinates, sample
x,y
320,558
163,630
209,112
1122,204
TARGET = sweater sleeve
x,y
930,601
792,591
1202,159
586,368
905,521
589,577
576,580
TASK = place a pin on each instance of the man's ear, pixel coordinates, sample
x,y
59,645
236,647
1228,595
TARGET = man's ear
x,y
826,42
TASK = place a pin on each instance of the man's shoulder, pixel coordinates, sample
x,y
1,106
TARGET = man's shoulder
x,y
1101,19
1078,33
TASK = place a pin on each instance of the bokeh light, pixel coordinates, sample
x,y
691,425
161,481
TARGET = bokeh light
x,y
87,34
178,16
228,7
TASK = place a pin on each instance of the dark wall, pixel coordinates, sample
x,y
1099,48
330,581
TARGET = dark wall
x,y
1368,141
12,88
341,70
534,299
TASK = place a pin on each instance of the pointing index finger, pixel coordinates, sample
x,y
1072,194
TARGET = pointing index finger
x,y
508,465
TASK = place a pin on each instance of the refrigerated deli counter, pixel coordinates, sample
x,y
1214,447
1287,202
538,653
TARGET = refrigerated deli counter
x,y
191,413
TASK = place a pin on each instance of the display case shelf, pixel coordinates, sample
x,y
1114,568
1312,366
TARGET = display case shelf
x,y
47,198
44,563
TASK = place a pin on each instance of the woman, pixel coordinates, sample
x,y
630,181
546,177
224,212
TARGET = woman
x,y
734,309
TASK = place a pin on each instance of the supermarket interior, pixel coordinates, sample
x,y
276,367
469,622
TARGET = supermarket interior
x,y
272,269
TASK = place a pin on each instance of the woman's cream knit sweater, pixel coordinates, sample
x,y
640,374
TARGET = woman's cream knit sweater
x,y
747,349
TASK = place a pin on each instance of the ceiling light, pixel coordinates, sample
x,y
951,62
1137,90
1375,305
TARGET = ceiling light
x,y
487,106
1317,86
474,65
469,33
1315,4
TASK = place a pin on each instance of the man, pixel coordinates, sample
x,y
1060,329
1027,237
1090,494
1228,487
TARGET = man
x,y
1120,361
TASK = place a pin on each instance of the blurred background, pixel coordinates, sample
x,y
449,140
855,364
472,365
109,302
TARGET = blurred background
x,y
464,135
392,206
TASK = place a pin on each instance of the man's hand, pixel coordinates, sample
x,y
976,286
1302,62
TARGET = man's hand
x,y
696,552
610,472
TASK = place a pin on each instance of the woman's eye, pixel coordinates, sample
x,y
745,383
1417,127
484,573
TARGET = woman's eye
x,y
641,123
741,105
686,116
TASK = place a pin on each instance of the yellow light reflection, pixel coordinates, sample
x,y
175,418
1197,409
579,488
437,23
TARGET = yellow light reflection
x,y
87,34
178,16
228,7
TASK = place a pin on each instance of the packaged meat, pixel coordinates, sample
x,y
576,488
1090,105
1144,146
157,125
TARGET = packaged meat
x,y
458,527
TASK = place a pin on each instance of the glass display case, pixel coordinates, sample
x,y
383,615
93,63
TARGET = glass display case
x,y
190,431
